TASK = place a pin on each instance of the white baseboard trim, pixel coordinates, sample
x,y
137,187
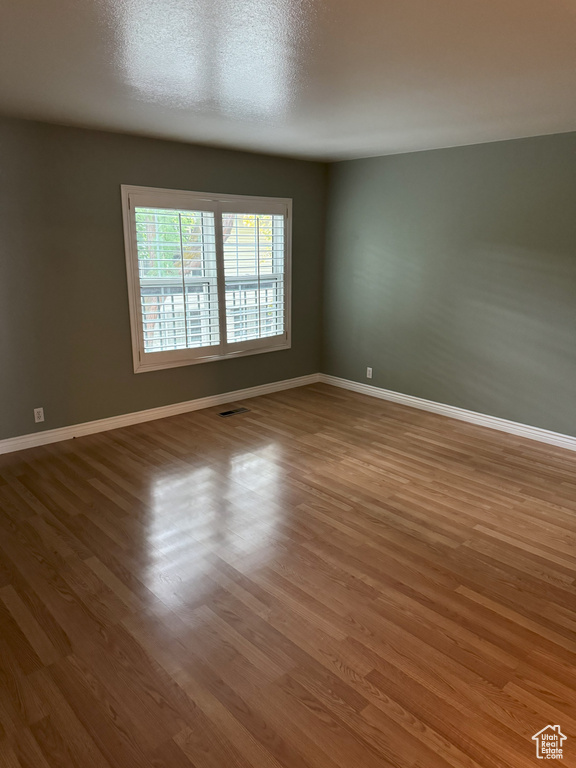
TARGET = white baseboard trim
x,y
473,417
35,439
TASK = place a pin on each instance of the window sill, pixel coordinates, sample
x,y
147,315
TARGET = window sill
x,y
143,367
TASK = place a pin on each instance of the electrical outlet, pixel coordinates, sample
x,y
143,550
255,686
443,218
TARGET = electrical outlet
x,y
368,373
38,415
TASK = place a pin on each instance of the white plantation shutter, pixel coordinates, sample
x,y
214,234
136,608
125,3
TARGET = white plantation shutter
x,y
208,276
177,275
254,275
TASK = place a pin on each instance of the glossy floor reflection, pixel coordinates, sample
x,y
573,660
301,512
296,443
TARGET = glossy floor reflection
x,y
220,507
327,580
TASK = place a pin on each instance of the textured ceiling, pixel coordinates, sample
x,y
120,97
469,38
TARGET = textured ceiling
x,y
314,78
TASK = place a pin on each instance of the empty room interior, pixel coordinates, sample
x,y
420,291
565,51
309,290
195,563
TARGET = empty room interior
x,y
287,383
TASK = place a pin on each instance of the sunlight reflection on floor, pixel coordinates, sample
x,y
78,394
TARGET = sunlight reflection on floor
x,y
226,509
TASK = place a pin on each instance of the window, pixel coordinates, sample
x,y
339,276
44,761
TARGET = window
x,y
208,275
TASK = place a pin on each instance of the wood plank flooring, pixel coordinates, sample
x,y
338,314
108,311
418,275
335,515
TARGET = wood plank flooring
x,y
328,580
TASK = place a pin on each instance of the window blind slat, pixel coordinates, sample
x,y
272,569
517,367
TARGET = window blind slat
x,y
178,249
254,278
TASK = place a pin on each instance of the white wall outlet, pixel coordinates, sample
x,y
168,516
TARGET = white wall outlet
x,y
38,415
368,373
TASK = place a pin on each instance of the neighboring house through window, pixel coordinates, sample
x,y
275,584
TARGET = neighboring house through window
x,y
208,275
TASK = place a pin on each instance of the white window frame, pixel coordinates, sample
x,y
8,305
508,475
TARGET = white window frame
x,y
154,197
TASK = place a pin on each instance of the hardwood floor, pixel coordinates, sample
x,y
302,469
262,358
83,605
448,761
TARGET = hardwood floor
x,y
327,580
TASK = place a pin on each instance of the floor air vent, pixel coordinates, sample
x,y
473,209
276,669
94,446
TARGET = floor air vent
x,y
233,412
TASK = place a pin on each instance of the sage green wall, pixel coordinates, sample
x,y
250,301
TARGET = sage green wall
x,y
64,324
453,274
